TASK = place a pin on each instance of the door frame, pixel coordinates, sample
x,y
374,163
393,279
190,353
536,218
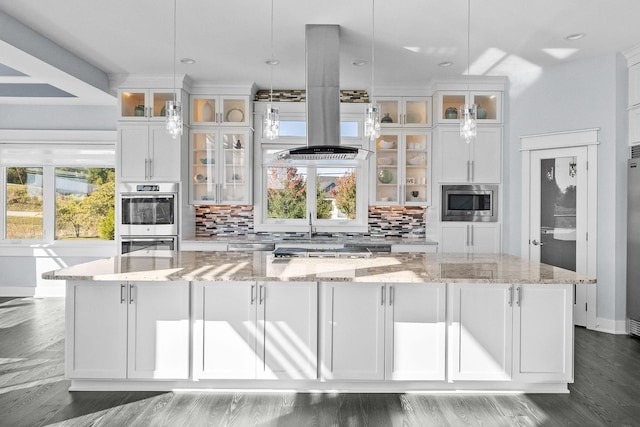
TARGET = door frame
x,y
569,139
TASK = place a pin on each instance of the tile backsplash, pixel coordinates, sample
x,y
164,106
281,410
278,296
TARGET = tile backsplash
x,y
237,220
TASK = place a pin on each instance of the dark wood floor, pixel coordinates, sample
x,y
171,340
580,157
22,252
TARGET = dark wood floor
x,y
33,391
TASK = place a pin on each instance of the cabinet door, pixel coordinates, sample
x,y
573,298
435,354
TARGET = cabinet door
x,y
224,338
96,337
354,332
486,162
164,156
485,238
388,171
417,167
543,333
390,111
158,103
133,104
204,166
159,330
235,167
454,238
634,85
455,164
134,152
415,332
417,112
634,125
287,330
235,111
480,333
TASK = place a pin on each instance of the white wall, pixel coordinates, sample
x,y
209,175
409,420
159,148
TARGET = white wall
x,y
85,117
578,95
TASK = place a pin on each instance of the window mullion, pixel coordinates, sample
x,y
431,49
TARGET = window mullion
x,y
3,196
49,203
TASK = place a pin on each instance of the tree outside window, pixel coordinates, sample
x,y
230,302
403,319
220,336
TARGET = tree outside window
x,y
24,203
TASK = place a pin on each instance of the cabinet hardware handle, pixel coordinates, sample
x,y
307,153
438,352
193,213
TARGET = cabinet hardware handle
x,y
131,294
150,168
473,170
468,167
123,290
391,295
467,235
146,168
253,298
262,294
518,296
471,234
382,295
510,297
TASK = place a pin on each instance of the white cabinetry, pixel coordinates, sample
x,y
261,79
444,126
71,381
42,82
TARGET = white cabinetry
x,y
405,111
634,125
247,330
220,166
488,104
228,110
148,153
510,332
144,104
124,330
634,85
403,168
376,332
478,161
465,237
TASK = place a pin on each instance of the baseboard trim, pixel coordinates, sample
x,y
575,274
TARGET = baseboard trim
x,y
17,291
616,327
50,290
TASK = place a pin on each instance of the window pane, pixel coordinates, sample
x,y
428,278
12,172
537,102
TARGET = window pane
x,y
286,192
349,129
293,128
85,203
336,193
24,203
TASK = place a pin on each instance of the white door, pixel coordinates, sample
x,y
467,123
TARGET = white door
x,y
287,345
415,332
354,331
559,213
164,155
224,335
486,159
159,330
480,334
455,161
543,333
454,237
97,330
485,238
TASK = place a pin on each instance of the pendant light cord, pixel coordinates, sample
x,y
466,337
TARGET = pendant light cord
x,y
175,8
373,47
271,60
469,49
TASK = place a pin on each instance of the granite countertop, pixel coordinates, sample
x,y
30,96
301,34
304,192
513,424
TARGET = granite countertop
x,y
302,238
263,266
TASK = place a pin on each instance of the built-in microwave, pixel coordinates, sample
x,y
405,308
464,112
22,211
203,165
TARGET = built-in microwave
x,y
470,203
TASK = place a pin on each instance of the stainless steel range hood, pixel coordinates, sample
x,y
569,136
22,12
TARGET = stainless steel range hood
x,y
323,100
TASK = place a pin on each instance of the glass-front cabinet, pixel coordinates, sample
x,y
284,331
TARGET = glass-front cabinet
x,y
402,172
488,106
220,166
405,111
220,110
144,104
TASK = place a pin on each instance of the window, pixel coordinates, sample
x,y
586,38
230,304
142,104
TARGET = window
x,y
24,203
84,203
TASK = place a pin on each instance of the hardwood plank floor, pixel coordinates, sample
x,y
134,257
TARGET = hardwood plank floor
x,y
33,391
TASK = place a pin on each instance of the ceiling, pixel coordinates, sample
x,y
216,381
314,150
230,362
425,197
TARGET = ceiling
x,y
230,41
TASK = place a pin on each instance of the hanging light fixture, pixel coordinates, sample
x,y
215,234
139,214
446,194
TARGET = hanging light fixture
x,y
174,108
468,111
272,115
372,112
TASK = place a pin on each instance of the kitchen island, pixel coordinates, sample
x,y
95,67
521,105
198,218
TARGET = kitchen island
x,y
386,322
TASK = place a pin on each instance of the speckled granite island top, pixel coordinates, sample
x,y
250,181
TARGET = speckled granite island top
x,y
263,266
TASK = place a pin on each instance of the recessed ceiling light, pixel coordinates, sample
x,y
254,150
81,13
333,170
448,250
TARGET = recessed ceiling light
x,y
445,64
188,61
272,61
576,36
359,62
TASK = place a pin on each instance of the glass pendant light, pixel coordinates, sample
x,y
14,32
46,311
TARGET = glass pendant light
x,y
468,111
272,115
372,112
174,108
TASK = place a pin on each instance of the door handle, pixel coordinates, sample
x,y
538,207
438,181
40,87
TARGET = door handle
x,y
510,297
468,171
253,298
518,296
131,294
382,295
150,168
473,170
146,168
536,243
262,294
391,295
123,292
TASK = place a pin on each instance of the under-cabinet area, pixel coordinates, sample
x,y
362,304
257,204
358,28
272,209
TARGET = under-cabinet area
x,y
319,335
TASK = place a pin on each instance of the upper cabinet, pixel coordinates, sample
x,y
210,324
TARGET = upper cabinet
x,y
405,111
477,161
634,85
220,166
220,110
488,104
146,152
403,168
144,104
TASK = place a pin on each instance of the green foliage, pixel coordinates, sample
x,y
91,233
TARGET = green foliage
x,y
290,201
323,205
344,194
108,225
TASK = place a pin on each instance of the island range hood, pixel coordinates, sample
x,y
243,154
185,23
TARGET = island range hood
x,y
323,100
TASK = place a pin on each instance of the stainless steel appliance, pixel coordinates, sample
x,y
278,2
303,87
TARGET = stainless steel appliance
x,y
346,252
148,217
633,245
148,209
130,244
470,203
